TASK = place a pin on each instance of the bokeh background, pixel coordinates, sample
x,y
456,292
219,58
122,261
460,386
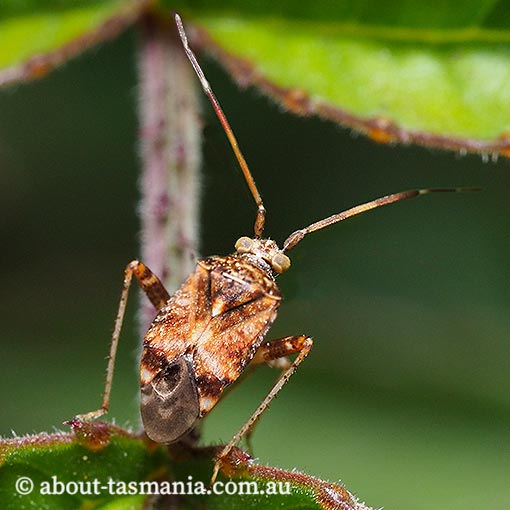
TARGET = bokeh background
x,y
405,396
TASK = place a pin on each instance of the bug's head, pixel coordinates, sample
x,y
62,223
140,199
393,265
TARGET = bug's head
x,y
264,249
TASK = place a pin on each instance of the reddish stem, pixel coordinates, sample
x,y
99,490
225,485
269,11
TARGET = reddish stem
x,y
171,157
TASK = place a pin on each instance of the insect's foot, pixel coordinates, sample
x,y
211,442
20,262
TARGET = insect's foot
x,y
232,461
90,416
93,434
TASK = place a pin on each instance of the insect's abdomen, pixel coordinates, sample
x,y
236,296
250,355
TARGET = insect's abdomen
x,y
169,403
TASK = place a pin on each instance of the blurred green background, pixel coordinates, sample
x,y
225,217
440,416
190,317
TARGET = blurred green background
x,y
405,396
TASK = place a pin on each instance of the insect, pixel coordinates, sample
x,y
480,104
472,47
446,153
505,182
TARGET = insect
x,y
213,327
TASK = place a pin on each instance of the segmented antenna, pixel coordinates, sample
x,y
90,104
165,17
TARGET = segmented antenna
x,y
296,236
261,210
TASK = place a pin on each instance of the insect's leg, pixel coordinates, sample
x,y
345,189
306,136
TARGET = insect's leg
x,y
266,353
274,354
157,295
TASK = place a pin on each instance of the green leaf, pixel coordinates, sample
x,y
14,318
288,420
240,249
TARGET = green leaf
x,y
104,459
397,71
50,461
37,36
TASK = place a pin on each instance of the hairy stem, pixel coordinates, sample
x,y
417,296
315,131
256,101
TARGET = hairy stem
x,y
170,152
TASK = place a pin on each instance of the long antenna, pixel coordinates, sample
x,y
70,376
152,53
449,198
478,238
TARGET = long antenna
x,y
261,210
298,235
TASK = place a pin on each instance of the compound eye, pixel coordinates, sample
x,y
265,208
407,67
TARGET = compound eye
x,y
280,263
244,245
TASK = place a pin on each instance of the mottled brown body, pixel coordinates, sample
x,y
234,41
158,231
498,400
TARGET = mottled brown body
x,y
215,323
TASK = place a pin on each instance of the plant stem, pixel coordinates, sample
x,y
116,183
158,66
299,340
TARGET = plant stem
x,y
171,155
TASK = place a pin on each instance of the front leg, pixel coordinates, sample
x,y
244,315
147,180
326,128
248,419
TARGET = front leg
x,y
157,295
267,352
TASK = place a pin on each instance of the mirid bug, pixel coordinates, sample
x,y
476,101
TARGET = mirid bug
x,y
213,327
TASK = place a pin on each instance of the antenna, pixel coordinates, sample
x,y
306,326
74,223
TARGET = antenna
x,y
261,210
298,235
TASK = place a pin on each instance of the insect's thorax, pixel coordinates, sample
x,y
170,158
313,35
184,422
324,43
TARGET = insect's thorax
x,y
242,275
